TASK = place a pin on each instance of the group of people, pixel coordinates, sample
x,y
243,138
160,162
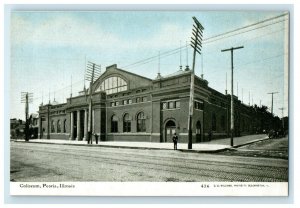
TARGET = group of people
x,y
90,137
91,134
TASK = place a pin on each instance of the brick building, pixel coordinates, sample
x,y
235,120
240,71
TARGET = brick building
x,y
130,107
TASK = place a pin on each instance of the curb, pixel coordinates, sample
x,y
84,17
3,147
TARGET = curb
x,y
203,151
254,141
129,147
151,148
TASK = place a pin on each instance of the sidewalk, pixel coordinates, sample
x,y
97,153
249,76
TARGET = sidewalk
x,y
212,146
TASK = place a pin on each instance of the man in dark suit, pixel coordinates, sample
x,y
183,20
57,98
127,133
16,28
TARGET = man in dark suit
x,y
175,140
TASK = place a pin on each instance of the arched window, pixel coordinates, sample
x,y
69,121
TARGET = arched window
x,y
141,124
126,123
114,123
52,127
198,131
58,127
113,85
213,122
65,125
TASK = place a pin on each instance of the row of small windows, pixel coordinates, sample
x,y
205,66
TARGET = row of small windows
x,y
127,93
58,126
141,123
176,104
171,105
128,101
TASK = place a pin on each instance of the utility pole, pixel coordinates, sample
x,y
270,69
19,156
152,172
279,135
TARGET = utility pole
x,y
249,98
158,68
187,57
196,44
272,93
93,70
48,117
226,85
26,98
71,92
202,71
282,117
237,89
158,74
180,64
242,95
232,109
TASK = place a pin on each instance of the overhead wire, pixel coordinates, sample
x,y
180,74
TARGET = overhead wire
x,y
251,25
150,59
209,40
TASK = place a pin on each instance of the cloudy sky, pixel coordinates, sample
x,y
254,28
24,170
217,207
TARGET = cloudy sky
x,y
47,48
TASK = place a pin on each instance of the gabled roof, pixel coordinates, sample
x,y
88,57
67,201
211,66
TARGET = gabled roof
x,y
114,66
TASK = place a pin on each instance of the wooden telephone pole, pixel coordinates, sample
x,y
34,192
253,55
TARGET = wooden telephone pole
x,y
196,44
282,117
272,93
93,70
232,109
26,98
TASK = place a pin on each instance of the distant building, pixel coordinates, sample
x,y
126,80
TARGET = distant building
x,y
34,118
131,107
17,127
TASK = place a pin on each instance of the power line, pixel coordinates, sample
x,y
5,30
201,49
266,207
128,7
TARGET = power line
x,y
247,26
178,50
261,60
211,72
61,89
247,40
165,54
152,58
247,63
243,32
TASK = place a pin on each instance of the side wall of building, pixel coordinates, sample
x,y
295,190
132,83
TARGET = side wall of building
x,y
134,109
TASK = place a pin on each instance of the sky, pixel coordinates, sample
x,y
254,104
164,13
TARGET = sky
x,y
48,48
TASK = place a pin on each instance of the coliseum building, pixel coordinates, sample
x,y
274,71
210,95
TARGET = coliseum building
x,y
130,107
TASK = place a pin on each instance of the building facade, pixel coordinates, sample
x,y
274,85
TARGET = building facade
x,y
130,107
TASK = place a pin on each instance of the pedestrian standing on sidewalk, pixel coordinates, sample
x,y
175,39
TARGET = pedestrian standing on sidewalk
x,y
175,140
90,139
96,137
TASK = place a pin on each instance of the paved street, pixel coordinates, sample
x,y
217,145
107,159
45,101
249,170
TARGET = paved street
x,y
272,148
54,162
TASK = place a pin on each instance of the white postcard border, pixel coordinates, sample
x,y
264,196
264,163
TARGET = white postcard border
x,y
149,188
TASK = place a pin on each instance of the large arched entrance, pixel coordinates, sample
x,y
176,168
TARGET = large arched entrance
x,y
198,131
170,129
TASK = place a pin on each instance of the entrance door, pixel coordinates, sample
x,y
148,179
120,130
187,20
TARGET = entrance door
x,y
81,124
75,125
198,131
170,130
